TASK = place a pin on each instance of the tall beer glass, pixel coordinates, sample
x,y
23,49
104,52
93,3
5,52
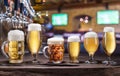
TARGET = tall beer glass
x,y
34,40
109,43
74,48
14,47
91,44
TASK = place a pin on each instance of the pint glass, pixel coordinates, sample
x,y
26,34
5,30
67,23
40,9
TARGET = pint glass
x,y
74,48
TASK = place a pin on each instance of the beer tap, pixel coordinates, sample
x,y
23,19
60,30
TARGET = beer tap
x,y
14,17
7,14
7,6
29,7
1,6
1,17
21,22
5,20
21,6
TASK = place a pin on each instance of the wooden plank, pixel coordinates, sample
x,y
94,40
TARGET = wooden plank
x,y
71,5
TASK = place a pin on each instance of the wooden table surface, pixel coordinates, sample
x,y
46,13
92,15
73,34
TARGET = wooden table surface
x,y
45,69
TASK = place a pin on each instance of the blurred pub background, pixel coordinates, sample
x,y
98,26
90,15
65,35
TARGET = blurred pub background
x,y
76,17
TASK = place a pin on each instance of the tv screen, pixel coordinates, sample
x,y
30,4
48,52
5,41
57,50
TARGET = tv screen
x,y
59,19
108,17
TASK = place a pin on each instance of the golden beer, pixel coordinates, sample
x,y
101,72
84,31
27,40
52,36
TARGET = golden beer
x,y
55,50
16,51
34,41
14,47
91,44
56,53
109,43
74,49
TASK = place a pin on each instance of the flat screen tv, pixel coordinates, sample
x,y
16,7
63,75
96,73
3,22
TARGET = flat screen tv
x,y
108,17
60,19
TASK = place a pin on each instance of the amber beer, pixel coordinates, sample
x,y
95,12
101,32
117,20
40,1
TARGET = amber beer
x,y
15,46
34,38
55,50
74,48
109,41
91,42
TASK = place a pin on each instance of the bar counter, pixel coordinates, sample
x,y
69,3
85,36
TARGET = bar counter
x,y
64,69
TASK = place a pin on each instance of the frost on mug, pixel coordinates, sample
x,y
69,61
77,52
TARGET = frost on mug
x,y
15,46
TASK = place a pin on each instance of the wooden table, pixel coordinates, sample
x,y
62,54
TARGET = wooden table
x,y
43,69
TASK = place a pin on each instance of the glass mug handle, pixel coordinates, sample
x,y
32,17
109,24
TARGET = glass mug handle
x,y
3,48
44,51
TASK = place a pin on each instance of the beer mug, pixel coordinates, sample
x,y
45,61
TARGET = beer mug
x,y
55,50
74,48
14,47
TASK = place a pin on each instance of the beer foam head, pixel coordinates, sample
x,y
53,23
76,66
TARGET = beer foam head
x,y
55,40
16,35
73,39
90,34
109,29
34,27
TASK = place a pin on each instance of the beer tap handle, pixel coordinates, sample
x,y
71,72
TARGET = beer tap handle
x,y
21,6
1,6
16,5
6,3
7,6
29,7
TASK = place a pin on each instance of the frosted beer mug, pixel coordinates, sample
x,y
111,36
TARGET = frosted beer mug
x,y
74,48
15,49
55,50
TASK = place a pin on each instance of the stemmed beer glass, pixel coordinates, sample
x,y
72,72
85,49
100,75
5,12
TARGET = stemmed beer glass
x,y
91,44
34,40
109,43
